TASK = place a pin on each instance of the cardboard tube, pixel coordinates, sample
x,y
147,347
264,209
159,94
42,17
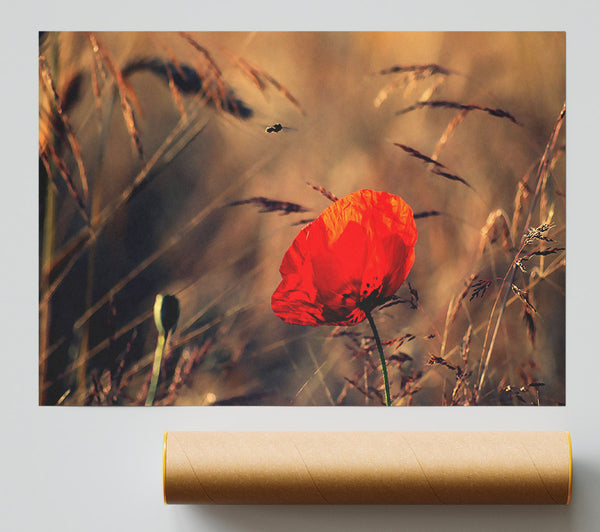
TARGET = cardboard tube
x,y
367,467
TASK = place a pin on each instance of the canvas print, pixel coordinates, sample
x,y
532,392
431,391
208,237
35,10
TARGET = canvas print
x,y
302,218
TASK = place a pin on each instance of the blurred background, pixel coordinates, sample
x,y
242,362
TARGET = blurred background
x,y
163,169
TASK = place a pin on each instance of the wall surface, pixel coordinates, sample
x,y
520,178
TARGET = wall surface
x,y
98,469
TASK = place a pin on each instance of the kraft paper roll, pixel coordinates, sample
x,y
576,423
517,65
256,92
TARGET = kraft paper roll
x,y
367,467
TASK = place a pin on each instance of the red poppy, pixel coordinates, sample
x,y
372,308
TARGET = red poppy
x,y
348,261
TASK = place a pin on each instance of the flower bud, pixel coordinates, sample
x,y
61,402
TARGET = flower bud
x,y
166,313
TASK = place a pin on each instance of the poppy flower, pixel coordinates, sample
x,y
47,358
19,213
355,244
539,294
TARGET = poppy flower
x,y
348,261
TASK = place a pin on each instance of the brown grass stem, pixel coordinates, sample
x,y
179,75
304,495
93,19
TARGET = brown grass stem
x,y
182,134
506,286
72,141
169,244
125,93
96,199
45,310
84,239
88,355
320,375
175,343
555,266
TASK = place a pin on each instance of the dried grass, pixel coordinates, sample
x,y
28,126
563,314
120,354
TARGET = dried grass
x,y
126,95
444,104
45,143
437,167
271,205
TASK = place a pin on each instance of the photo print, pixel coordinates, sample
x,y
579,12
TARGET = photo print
x,y
302,218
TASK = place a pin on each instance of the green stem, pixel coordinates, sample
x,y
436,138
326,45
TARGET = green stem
x,y
158,354
386,382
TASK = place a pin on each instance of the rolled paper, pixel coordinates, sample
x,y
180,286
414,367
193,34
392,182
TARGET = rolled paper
x,y
367,467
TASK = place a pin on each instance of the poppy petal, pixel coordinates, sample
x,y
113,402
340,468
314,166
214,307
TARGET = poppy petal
x,y
352,258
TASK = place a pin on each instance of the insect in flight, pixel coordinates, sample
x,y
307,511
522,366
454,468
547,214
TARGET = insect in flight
x,y
276,128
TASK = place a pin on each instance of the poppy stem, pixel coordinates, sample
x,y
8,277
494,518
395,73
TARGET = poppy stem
x,y
386,382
